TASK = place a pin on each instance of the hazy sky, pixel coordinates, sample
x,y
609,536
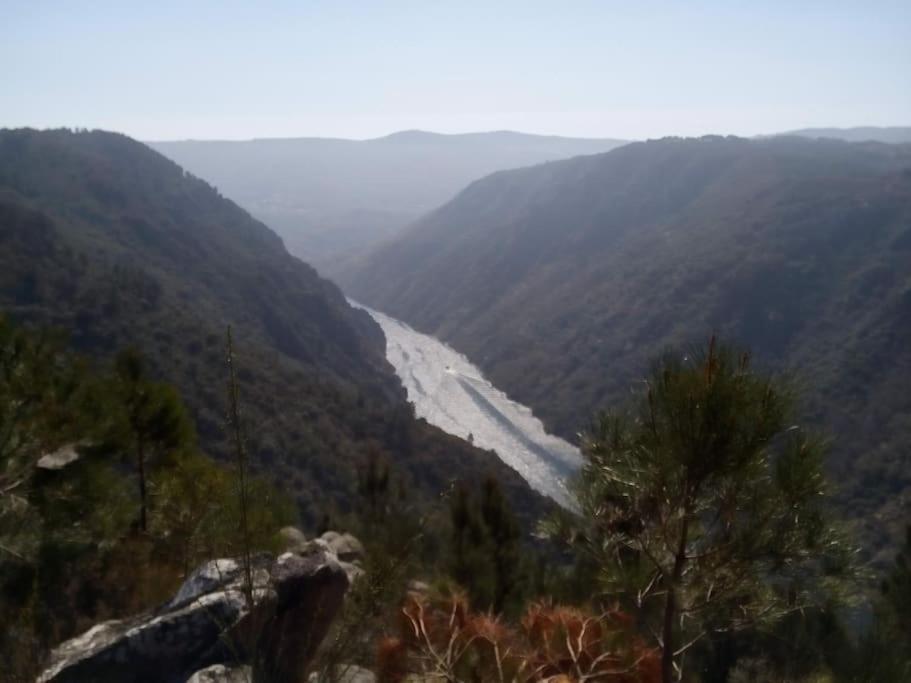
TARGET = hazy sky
x,y
163,70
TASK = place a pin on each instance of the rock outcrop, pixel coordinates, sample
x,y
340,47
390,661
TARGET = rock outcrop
x,y
212,621
345,547
59,459
219,673
291,537
346,673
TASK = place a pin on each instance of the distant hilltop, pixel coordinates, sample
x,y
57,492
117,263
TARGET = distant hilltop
x,y
892,135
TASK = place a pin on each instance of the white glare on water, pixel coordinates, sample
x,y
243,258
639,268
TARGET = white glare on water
x,y
451,393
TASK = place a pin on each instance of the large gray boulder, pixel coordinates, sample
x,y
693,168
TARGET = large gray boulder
x,y
292,539
345,546
210,621
58,459
346,673
219,673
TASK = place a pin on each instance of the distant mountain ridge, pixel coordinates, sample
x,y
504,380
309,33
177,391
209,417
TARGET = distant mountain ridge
x,y
108,240
330,197
561,280
885,134
495,136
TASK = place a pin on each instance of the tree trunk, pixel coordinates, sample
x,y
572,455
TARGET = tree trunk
x,y
140,454
667,636
670,604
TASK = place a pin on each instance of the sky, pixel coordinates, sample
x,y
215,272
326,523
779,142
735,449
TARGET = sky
x,y
161,70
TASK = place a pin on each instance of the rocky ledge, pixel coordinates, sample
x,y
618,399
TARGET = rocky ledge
x,y
216,623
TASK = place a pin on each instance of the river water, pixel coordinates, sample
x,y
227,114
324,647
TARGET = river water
x,y
451,393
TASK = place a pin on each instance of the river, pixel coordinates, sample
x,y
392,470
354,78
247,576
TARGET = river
x,y
451,393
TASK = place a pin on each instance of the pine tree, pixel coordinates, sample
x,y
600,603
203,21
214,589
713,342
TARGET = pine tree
x,y
503,534
471,565
703,506
48,399
156,421
373,487
896,593
885,650
463,529
485,546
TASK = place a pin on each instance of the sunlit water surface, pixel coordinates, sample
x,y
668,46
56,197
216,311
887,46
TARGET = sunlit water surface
x,y
451,393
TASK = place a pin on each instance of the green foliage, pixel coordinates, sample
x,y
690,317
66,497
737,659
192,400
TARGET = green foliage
x,y
895,602
373,489
884,650
197,513
470,564
48,400
398,544
503,533
485,553
703,506
371,609
803,645
410,549
108,240
155,421
71,552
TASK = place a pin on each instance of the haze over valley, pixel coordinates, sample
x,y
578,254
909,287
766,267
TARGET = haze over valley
x,y
331,199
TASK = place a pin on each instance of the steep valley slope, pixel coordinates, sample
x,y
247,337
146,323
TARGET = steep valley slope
x,y
106,239
561,280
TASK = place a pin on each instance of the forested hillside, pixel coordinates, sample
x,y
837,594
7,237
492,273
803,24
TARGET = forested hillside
x,y
109,241
560,281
